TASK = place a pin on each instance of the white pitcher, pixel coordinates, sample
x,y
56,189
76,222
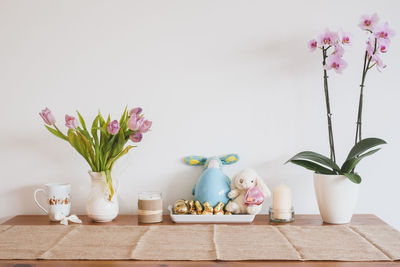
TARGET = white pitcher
x,y
98,207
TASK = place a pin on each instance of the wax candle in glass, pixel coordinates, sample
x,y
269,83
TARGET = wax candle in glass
x,y
150,207
282,210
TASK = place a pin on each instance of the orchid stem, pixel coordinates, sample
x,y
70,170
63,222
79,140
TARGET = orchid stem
x,y
328,109
366,67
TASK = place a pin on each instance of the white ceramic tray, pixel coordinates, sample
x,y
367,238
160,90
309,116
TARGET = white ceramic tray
x,y
187,218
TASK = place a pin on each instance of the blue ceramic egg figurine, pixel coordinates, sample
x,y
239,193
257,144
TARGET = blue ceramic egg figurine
x,y
213,185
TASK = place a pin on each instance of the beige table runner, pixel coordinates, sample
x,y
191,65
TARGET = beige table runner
x,y
201,242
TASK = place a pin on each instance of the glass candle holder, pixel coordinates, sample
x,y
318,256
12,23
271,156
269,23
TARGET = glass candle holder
x,y
281,215
150,207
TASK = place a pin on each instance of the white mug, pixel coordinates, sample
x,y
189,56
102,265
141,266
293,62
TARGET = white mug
x,y
58,198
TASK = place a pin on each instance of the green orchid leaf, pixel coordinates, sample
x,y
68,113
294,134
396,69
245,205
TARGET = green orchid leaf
x,y
363,146
351,163
56,133
312,166
354,177
318,158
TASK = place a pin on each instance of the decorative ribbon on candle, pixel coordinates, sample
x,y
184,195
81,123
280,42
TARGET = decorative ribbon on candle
x,y
64,219
149,212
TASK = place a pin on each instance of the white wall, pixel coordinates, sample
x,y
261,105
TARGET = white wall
x,y
215,77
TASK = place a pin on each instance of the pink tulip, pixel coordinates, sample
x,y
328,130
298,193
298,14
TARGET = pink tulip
x,y
312,44
328,38
145,126
136,137
113,127
71,122
135,111
47,116
383,31
135,122
336,63
368,22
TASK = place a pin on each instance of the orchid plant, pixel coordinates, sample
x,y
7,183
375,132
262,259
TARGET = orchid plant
x,y
105,143
332,46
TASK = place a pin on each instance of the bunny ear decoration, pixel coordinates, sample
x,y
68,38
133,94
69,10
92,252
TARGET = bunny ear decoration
x,y
195,160
229,159
263,187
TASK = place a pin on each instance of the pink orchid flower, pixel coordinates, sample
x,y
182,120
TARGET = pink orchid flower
x,y
135,122
384,32
383,45
136,137
345,38
339,51
328,38
113,127
335,62
312,45
71,122
135,111
47,116
368,22
145,127
378,62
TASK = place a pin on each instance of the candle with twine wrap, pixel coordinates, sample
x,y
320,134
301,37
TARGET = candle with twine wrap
x,y
150,207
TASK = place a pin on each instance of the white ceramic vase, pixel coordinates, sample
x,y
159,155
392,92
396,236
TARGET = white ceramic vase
x,y
336,196
98,207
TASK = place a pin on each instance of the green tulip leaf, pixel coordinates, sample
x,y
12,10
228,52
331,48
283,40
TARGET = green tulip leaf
x,y
354,177
120,154
95,124
82,121
56,133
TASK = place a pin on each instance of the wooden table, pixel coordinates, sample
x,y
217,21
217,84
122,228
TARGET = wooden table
x,y
358,219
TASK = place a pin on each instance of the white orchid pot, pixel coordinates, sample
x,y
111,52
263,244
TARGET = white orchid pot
x,y
337,197
98,207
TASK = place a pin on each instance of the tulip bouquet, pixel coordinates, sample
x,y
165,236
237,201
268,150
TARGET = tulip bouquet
x,y
105,143
332,46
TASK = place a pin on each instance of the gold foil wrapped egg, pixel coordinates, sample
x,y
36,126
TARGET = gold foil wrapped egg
x,y
180,207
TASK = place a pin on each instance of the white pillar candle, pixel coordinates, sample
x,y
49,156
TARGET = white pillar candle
x,y
282,202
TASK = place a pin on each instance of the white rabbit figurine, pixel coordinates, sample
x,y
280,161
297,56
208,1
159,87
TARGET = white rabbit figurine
x,y
248,191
